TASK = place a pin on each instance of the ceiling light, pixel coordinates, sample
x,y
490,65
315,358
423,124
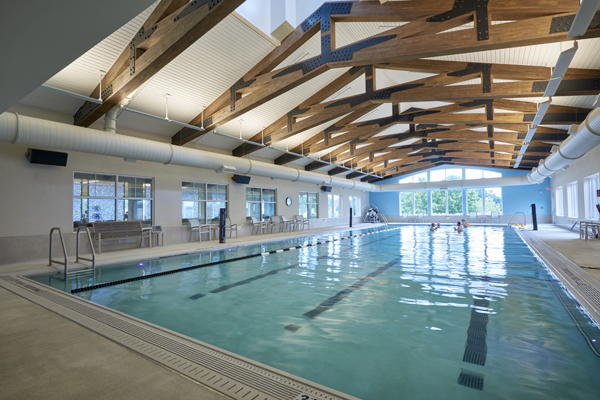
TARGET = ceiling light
x,y
542,108
585,14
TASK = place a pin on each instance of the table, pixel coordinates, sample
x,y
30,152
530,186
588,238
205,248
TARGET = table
x,y
158,234
585,225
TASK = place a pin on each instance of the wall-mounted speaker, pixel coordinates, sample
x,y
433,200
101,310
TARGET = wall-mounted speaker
x,y
326,188
36,156
244,180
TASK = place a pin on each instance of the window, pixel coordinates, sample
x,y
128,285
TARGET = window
x,y
422,177
452,174
334,206
558,199
493,200
407,203
473,174
572,200
308,205
260,203
475,200
102,197
438,202
590,188
355,205
413,202
491,174
455,205
202,200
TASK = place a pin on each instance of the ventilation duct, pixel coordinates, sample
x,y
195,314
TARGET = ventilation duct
x,y
586,137
28,131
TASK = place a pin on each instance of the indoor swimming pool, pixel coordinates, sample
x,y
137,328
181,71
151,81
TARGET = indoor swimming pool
x,y
398,313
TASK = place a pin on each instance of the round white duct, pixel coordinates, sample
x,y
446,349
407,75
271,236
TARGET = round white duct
x,y
30,131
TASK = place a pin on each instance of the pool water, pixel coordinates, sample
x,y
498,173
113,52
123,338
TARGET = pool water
x,y
403,313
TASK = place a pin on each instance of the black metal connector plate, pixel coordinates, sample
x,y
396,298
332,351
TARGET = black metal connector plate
x,y
473,68
84,111
238,86
563,24
293,113
194,5
488,103
462,7
570,85
324,13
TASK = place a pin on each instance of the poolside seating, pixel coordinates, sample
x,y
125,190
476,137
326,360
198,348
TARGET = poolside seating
x,y
473,216
276,223
301,222
287,224
231,227
496,216
404,217
421,217
119,230
196,227
258,226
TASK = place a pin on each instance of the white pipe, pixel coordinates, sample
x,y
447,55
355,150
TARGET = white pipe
x,y
110,120
574,147
30,131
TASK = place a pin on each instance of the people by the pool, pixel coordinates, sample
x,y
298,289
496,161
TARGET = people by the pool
x,y
459,228
464,223
433,227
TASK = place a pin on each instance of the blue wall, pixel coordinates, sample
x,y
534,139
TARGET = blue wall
x,y
514,198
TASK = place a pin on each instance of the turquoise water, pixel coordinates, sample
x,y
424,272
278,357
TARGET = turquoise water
x,y
402,314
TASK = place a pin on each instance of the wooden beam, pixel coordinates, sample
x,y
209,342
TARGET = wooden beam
x,y
175,36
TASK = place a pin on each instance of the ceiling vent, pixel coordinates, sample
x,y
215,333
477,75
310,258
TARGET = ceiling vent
x,y
227,169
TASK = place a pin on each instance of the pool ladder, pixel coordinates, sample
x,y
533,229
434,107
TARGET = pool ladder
x,y
77,256
524,218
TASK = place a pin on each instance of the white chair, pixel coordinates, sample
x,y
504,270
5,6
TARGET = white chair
x,y
496,216
258,225
196,227
421,216
301,222
276,223
473,216
404,217
287,224
231,228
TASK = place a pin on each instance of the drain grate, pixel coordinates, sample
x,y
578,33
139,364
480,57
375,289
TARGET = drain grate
x,y
470,379
476,348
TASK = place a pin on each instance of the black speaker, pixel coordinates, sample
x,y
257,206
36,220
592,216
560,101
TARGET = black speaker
x,y
244,180
36,156
326,188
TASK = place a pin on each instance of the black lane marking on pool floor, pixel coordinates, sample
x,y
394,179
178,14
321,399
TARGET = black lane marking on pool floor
x,y
330,302
476,348
470,379
273,272
139,278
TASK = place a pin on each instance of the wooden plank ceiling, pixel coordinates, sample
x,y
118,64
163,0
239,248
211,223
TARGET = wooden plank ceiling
x,y
481,124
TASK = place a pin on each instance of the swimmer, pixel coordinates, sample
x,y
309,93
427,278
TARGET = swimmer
x,y
438,226
433,228
464,223
459,228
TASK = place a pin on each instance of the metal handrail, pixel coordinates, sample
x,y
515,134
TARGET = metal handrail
x,y
78,257
384,218
62,241
519,212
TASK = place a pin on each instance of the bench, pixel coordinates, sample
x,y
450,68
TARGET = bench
x,y
118,230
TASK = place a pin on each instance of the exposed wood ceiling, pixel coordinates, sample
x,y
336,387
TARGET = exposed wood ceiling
x,y
380,90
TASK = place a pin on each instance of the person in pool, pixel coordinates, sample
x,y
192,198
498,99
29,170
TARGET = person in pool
x,y
459,228
433,228
438,226
464,223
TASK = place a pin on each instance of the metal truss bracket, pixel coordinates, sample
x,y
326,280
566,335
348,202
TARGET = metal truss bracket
x,y
383,94
490,130
329,130
138,39
570,85
327,56
559,118
239,85
563,24
88,107
354,175
292,114
316,165
406,118
324,13
194,5
186,132
462,7
473,68
488,103
337,170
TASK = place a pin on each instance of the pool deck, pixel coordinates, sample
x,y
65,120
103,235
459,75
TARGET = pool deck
x,y
45,355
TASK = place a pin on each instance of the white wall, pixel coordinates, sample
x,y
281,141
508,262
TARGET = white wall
x,y
578,170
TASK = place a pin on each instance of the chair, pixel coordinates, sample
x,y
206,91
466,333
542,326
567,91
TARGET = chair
x,y
258,225
276,223
196,227
287,224
231,228
404,217
473,216
496,216
300,221
421,216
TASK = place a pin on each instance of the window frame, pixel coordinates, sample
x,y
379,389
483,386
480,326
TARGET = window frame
x,y
331,206
262,203
204,201
572,200
590,185
115,197
356,210
559,207
307,204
